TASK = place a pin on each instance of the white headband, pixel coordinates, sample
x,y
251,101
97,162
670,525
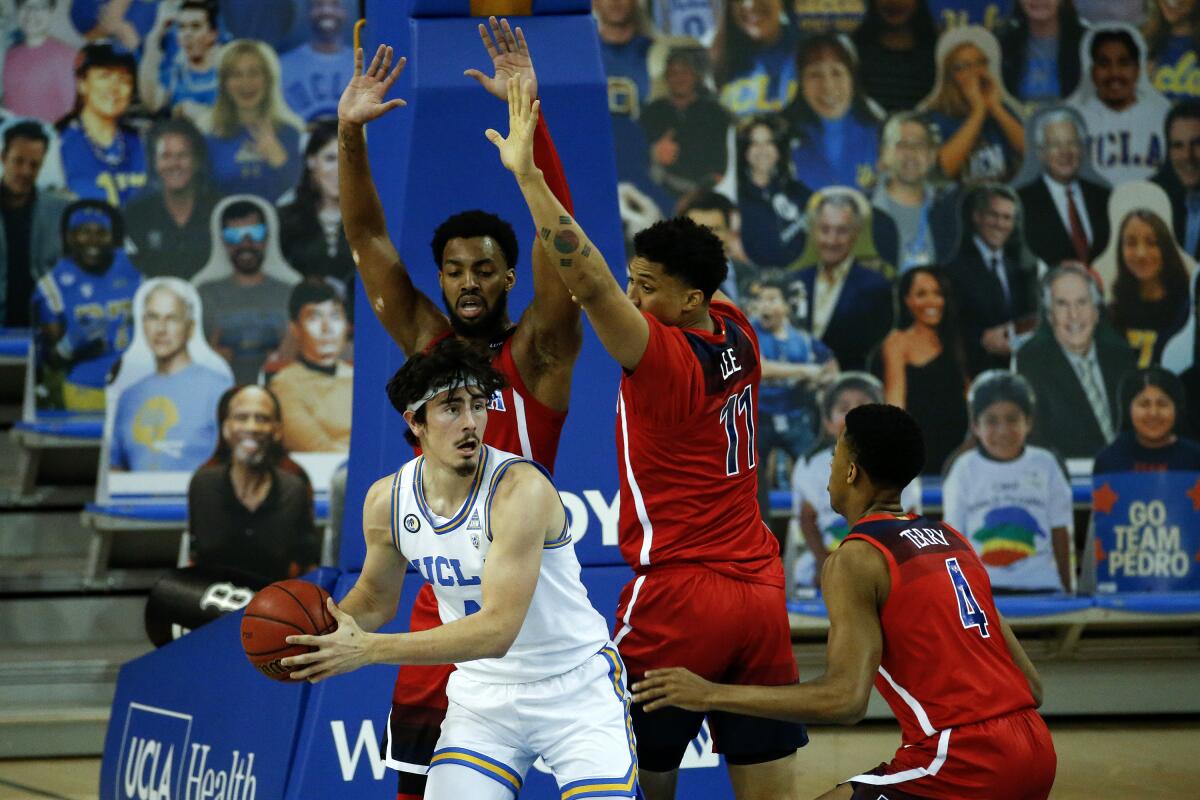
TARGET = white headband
x,y
435,391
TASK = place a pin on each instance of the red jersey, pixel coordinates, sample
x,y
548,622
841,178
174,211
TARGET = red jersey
x,y
945,662
517,422
686,419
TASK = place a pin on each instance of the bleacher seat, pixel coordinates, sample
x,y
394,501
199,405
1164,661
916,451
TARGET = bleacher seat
x,y
780,500
168,513
84,428
1151,603
57,456
14,345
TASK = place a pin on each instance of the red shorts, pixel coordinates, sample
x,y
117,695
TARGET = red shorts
x,y
1006,758
723,629
419,699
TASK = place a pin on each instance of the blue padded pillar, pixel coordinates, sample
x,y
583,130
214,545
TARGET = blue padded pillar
x,y
430,160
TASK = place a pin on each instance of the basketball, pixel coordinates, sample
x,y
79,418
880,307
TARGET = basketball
x,y
283,609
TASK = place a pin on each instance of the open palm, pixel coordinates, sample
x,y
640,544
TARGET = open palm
x,y
516,150
362,100
510,59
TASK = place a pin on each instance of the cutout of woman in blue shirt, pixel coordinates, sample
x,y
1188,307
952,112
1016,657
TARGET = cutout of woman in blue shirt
x,y
835,128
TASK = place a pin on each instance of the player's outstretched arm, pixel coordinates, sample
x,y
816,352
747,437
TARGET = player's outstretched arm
x,y
369,604
550,335
409,316
622,329
852,579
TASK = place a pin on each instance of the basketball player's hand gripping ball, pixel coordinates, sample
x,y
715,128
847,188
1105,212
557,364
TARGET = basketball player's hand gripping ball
x,y
344,650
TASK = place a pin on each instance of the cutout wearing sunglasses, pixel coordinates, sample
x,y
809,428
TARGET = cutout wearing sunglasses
x,y
235,235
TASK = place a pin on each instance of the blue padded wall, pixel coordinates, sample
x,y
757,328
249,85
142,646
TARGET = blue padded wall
x,y
430,160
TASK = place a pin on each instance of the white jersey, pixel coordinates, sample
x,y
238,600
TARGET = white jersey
x,y
1008,511
561,629
1126,145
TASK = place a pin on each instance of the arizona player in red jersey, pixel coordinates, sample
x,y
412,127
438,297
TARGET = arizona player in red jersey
x,y
476,254
709,586
910,607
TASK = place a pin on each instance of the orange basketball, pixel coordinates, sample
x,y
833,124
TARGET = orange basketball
x,y
283,609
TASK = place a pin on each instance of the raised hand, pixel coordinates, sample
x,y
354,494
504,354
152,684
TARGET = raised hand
x,y
516,151
973,92
362,100
510,59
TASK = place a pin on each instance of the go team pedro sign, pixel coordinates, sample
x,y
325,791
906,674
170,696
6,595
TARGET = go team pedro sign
x,y
1147,532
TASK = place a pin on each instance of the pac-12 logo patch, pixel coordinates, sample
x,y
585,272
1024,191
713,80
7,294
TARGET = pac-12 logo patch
x,y
411,523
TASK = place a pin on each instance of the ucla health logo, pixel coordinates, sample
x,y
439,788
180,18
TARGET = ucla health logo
x,y
158,761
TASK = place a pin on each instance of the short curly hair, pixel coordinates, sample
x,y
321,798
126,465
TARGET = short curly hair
x,y
687,250
453,363
887,443
472,224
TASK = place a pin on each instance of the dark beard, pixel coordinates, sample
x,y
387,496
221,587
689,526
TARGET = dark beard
x,y
247,269
488,327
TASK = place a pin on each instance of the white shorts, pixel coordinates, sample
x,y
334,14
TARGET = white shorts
x,y
578,722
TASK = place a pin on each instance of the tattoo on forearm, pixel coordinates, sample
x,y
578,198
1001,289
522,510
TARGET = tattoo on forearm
x,y
352,141
566,241
545,233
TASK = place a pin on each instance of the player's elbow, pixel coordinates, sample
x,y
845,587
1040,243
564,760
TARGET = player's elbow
x,y
853,713
850,705
499,645
503,633
585,288
1035,688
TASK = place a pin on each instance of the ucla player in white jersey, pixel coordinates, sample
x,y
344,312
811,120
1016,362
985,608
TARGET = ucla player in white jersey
x,y
537,674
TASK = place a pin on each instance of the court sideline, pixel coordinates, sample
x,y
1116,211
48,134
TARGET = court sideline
x,y
1137,757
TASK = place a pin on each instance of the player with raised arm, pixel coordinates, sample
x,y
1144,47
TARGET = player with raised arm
x,y
536,673
708,590
910,608
476,256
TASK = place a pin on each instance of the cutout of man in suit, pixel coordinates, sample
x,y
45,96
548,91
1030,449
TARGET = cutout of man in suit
x,y
1179,175
994,285
851,304
1074,365
1071,211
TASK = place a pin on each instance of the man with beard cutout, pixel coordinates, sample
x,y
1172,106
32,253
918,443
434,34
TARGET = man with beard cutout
x,y
245,511
81,308
245,315
476,254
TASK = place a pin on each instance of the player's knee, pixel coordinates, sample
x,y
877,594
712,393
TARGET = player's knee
x,y
772,778
657,785
842,792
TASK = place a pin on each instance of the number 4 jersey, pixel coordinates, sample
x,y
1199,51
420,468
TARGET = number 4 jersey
x,y
687,456
945,662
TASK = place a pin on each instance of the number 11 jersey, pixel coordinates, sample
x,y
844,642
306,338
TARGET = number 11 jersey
x,y
945,662
687,455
